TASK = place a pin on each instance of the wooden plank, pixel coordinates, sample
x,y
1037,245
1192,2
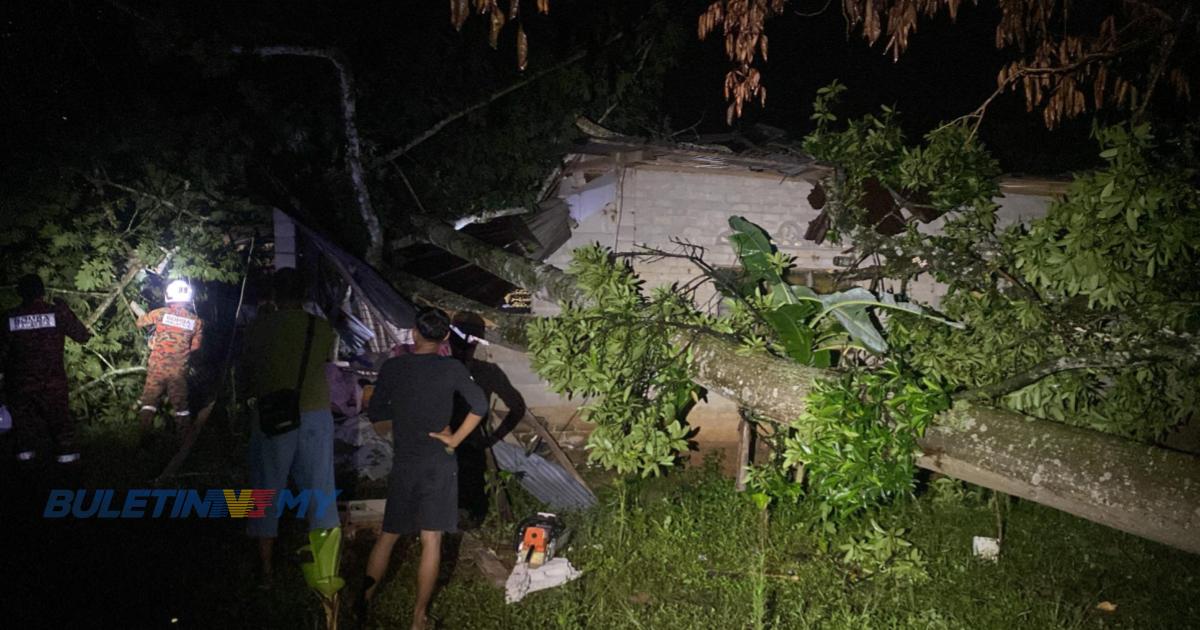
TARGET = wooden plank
x,y
559,455
482,556
189,441
743,454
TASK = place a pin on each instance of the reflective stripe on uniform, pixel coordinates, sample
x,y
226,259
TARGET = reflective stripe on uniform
x,y
67,458
26,455
35,321
185,323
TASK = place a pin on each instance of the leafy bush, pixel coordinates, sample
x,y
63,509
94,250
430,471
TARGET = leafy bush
x,y
617,352
99,239
881,551
857,440
1086,316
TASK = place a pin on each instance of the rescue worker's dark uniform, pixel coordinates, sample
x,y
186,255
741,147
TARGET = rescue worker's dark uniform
x,y
31,342
177,333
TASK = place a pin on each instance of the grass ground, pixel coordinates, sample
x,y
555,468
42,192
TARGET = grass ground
x,y
685,551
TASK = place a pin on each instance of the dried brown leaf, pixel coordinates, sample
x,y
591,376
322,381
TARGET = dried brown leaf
x,y
522,47
871,28
1098,86
459,10
497,25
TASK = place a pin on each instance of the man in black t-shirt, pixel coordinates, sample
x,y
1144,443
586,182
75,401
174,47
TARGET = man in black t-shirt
x,y
467,331
415,395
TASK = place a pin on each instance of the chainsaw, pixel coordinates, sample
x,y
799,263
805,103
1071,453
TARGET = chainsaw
x,y
538,538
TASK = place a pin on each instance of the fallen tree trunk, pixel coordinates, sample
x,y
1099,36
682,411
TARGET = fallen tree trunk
x,y
1144,490
506,329
1141,489
349,102
528,274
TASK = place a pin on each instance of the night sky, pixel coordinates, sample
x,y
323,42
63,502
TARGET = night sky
x,y
87,72
123,84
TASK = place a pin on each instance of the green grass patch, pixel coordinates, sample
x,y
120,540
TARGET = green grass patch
x,y
682,551
689,552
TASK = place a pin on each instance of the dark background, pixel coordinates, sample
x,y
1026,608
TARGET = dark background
x,y
83,81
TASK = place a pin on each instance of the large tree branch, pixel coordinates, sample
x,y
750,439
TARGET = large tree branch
x,y
1116,359
520,271
133,266
102,181
374,253
507,329
390,156
1145,490
108,376
1166,47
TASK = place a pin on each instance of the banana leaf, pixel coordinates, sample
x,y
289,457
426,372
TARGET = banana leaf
x,y
795,323
791,323
325,545
849,307
754,249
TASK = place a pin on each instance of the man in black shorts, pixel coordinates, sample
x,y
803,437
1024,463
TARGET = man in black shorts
x,y
415,395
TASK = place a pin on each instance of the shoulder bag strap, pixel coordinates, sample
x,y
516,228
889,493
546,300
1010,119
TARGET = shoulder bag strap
x,y
308,336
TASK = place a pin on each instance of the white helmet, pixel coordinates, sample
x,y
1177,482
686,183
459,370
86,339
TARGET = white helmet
x,y
179,291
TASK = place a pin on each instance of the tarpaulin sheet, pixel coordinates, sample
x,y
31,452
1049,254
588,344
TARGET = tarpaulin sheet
x,y
365,280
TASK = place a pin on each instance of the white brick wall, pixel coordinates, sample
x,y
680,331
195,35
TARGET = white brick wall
x,y
656,204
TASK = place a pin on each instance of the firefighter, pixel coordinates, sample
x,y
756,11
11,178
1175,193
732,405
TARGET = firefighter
x,y
31,344
177,333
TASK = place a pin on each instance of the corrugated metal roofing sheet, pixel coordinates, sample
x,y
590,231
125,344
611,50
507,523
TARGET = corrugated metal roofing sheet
x,y
544,480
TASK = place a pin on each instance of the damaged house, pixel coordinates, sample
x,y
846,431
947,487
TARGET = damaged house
x,y
628,195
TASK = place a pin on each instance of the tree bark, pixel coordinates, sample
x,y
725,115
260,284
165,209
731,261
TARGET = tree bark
x,y
108,376
1144,490
374,253
506,329
1141,489
1137,488
133,266
529,274
391,156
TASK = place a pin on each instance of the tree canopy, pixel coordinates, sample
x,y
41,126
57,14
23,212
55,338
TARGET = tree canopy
x,y
154,139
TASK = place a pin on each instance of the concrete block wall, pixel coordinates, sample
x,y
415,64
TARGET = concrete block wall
x,y
655,204
695,206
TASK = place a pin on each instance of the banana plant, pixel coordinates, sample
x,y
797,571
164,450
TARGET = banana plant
x,y
321,575
798,314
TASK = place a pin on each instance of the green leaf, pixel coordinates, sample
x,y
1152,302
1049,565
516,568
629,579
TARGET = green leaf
x,y
755,251
850,309
790,323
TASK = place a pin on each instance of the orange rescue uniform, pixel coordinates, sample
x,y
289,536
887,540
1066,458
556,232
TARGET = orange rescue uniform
x,y
177,333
